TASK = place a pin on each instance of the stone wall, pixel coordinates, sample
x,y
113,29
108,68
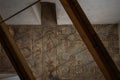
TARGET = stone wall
x,y
59,52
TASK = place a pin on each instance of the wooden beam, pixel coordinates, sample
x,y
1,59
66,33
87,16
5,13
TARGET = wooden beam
x,y
91,39
48,14
14,53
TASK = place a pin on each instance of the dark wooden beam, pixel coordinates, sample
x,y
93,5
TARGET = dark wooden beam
x,y
48,14
14,54
91,39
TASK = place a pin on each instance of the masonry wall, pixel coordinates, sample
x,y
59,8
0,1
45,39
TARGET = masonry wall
x,y
59,50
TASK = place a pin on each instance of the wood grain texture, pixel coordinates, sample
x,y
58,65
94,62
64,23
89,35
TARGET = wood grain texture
x,y
14,53
91,39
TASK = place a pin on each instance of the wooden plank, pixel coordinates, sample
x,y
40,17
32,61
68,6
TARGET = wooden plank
x,y
48,14
14,54
91,39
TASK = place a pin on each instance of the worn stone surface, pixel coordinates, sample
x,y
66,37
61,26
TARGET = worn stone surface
x,y
59,51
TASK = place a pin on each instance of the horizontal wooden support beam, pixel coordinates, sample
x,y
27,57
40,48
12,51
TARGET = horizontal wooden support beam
x,y
14,54
91,39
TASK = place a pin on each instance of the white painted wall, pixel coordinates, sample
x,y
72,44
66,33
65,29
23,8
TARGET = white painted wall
x,y
98,11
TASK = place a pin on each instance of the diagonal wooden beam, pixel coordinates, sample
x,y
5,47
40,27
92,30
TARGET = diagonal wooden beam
x,y
91,39
14,54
